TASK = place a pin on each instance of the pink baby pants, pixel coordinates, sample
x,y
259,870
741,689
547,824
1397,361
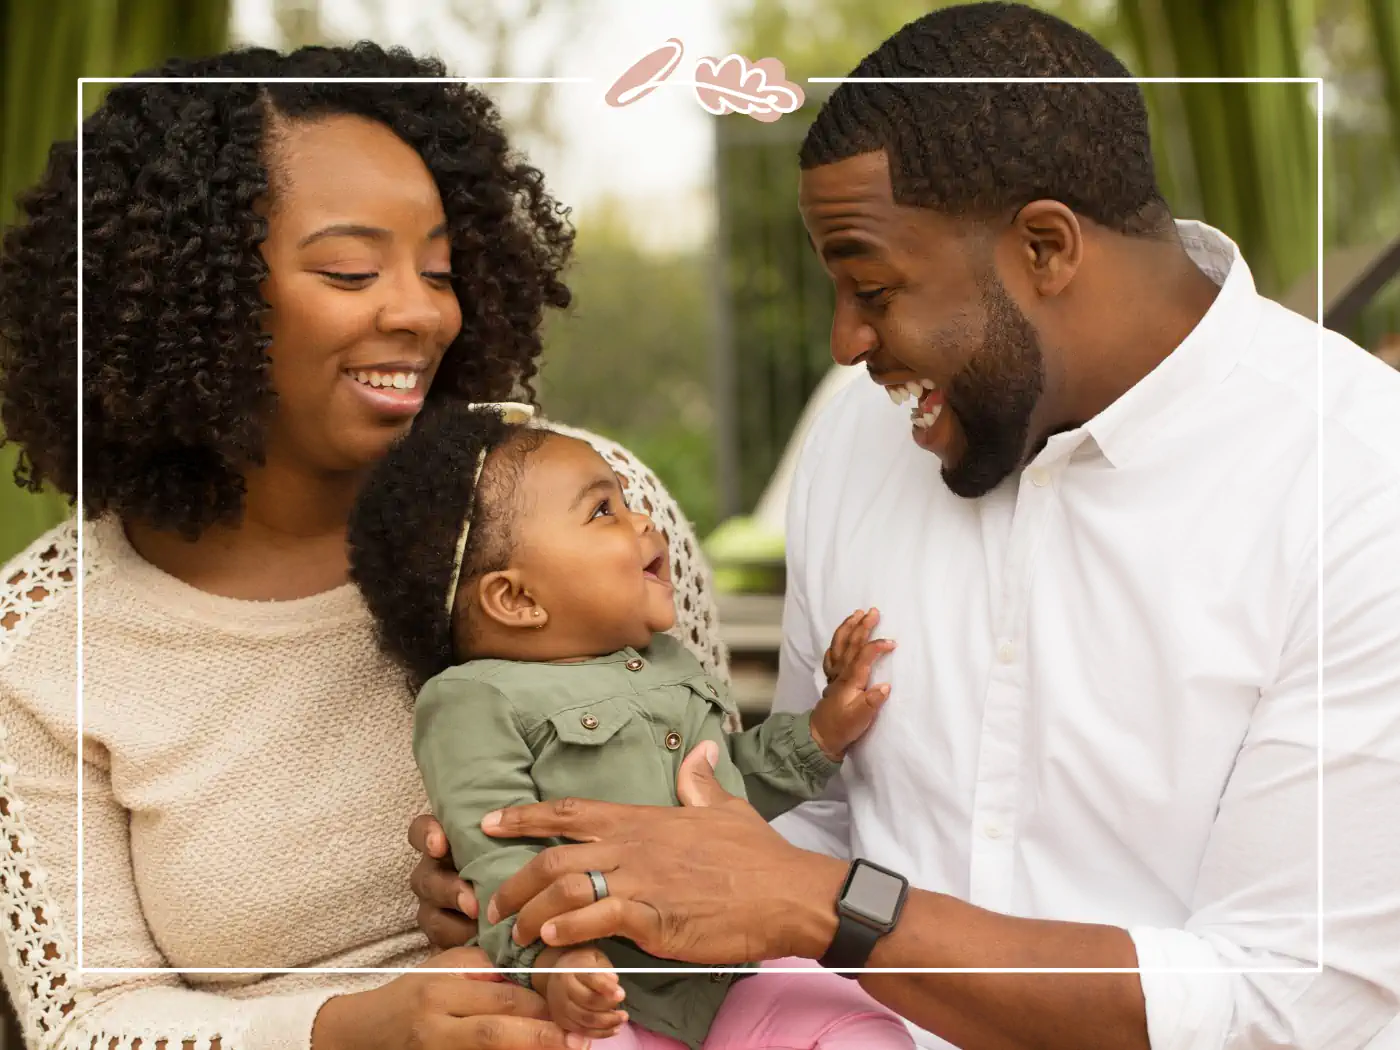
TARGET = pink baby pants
x,y
787,1011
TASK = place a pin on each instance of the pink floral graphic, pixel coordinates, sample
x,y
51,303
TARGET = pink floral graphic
x,y
729,85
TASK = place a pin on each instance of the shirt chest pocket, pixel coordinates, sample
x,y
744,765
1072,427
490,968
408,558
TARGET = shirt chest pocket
x,y
603,750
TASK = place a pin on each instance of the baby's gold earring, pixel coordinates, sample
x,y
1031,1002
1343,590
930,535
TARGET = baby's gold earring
x,y
537,613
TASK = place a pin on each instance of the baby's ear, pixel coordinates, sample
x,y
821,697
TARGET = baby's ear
x,y
504,600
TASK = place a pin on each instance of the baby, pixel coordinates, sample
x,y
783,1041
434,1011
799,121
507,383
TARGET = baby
x,y
527,602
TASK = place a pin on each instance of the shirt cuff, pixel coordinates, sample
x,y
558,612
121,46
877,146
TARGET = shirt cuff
x,y
517,957
807,756
1185,1011
285,1023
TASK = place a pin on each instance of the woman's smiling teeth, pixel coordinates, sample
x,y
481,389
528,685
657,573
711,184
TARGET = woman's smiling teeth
x,y
924,415
395,380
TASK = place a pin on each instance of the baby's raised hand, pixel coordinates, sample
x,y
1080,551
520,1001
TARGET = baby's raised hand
x,y
848,706
585,1003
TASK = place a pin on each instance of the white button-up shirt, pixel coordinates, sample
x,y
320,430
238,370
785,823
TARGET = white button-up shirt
x,y
1104,703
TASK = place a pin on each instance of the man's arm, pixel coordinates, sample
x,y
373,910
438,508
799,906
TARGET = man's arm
x,y
1255,905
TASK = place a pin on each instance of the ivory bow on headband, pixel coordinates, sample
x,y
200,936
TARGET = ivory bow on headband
x,y
510,412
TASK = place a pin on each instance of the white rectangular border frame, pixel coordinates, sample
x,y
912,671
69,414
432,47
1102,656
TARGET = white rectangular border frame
x,y
1317,82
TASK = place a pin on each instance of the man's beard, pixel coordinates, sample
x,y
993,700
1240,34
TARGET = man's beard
x,y
993,396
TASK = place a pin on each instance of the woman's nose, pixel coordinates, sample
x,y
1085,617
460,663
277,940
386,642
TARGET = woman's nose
x,y
410,306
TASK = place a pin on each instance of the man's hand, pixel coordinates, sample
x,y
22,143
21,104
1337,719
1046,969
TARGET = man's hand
x,y
706,883
446,905
849,705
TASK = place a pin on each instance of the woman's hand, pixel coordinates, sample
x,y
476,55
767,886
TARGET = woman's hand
x,y
442,1011
446,904
707,883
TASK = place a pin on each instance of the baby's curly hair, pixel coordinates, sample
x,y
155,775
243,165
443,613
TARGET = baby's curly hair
x,y
176,394
408,516
978,150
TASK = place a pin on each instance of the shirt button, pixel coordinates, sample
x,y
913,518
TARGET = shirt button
x,y
1006,653
992,831
1040,477
588,722
635,665
718,978
673,741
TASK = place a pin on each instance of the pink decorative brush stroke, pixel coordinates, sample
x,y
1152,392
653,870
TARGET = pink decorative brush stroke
x,y
643,76
732,85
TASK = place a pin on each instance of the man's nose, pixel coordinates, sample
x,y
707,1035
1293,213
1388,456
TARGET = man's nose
x,y
852,341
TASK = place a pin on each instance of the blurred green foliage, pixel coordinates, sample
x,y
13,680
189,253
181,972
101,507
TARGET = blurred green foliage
x,y
46,47
631,358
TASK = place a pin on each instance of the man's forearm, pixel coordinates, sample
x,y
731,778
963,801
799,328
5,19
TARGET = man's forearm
x,y
998,1011
992,1011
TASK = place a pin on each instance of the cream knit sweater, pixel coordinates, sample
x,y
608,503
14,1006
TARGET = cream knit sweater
x,y
248,786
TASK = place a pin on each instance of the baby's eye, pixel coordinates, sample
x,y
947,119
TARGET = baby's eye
x,y
604,509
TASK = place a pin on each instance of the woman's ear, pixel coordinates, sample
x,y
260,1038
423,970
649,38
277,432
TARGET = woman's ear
x,y
504,600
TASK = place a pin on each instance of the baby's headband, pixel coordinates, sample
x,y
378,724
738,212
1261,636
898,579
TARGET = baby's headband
x,y
510,412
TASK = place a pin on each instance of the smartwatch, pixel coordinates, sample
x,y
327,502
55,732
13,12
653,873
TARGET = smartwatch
x,y
867,908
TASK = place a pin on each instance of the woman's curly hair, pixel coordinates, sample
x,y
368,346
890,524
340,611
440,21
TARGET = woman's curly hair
x,y
176,395
407,519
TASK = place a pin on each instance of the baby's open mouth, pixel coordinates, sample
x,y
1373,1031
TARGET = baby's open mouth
x,y
655,567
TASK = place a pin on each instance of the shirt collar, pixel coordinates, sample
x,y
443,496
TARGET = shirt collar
x,y
1204,358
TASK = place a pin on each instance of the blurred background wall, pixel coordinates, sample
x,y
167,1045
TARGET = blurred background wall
x,y
700,325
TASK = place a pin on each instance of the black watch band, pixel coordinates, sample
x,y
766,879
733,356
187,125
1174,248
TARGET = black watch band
x,y
852,945
867,908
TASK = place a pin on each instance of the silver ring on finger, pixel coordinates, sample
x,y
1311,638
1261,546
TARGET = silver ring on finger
x,y
600,885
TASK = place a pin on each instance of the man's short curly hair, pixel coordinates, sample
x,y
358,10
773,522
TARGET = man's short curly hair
x,y
408,516
176,394
980,150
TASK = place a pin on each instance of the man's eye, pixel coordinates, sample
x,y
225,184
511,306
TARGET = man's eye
x,y
872,295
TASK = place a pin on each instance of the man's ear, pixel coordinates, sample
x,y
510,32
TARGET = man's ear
x,y
1049,245
504,599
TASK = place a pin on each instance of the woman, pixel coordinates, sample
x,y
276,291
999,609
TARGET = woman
x,y
277,279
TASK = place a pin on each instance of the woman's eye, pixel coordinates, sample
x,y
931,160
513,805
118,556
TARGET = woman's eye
x,y
348,278
603,510
870,296
440,276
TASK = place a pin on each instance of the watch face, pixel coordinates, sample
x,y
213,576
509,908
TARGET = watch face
x,y
873,894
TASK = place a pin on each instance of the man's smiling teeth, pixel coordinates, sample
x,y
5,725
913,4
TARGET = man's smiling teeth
x,y
397,380
915,388
927,420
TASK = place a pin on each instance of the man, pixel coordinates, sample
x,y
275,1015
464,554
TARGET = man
x,y
1096,539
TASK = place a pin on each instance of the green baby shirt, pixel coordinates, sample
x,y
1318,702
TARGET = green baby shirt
x,y
496,733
